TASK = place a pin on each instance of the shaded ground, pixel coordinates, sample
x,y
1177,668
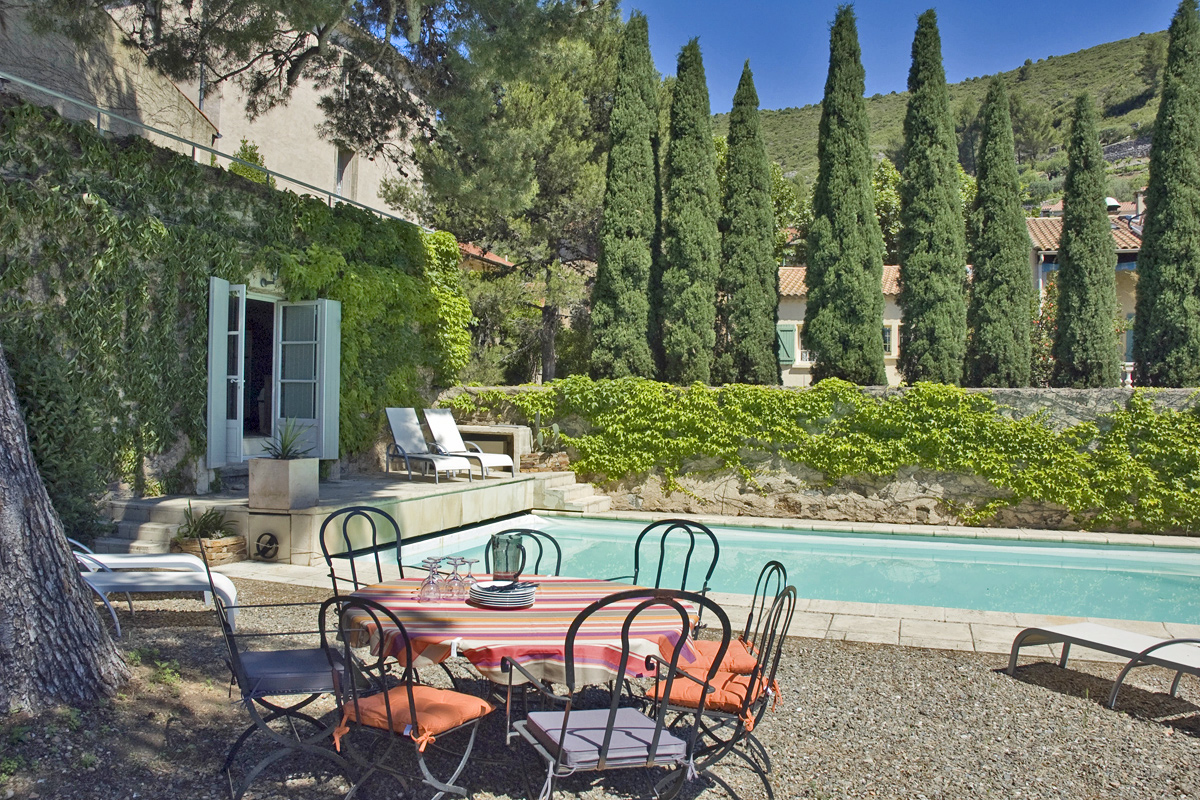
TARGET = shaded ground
x,y
854,720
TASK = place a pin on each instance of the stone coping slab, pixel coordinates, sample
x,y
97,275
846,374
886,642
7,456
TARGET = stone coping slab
x,y
951,531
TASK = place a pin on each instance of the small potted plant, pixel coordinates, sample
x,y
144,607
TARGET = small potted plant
x,y
214,533
286,478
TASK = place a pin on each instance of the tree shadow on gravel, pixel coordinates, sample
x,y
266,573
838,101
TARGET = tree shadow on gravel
x,y
1136,701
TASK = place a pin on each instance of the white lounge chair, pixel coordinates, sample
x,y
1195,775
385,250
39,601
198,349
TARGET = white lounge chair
x,y
408,443
1180,655
105,582
92,561
450,441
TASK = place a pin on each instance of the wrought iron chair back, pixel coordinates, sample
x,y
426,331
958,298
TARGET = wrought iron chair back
x,y
535,536
693,530
770,584
338,525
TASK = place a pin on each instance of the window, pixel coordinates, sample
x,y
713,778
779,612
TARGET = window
x,y
344,178
1129,337
887,341
785,338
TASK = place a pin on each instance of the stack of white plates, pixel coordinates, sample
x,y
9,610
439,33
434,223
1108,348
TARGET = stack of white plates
x,y
495,594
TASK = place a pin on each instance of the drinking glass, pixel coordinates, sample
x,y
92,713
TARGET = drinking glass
x,y
430,587
452,586
469,579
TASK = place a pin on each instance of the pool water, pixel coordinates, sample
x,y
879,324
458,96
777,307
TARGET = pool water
x,y
1140,583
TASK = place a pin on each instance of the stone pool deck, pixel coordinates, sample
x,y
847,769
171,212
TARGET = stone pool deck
x,y
879,623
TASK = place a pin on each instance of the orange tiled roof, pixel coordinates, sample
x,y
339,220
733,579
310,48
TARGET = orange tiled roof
x,y
791,281
475,251
1044,232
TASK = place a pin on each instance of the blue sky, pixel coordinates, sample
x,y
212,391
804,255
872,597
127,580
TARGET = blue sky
x,y
788,42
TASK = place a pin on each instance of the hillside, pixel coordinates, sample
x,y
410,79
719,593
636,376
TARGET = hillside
x,y
1110,72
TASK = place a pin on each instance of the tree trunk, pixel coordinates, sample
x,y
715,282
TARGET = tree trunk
x,y
549,332
53,648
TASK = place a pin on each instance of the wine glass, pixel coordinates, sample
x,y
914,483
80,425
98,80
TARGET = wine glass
x,y
452,586
469,579
430,587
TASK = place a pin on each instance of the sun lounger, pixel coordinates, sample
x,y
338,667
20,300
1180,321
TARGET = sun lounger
x,y
105,582
446,436
1180,655
408,443
100,561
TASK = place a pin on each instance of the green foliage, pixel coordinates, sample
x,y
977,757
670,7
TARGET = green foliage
x,y
1133,467
1001,296
933,330
621,296
286,444
248,151
1041,334
885,180
1166,339
1085,345
1105,71
844,311
210,524
106,249
691,243
749,282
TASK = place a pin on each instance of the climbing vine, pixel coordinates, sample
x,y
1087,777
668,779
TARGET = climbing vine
x,y
1133,466
106,247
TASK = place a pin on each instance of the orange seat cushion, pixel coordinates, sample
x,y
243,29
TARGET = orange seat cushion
x,y
729,695
438,710
738,658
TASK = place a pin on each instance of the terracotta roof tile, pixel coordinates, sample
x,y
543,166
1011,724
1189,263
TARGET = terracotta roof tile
x,y
1044,232
791,281
475,251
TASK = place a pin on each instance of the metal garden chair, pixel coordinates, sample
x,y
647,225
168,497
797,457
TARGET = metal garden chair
x,y
359,539
537,537
678,527
408,713
729,707
743,652
621,736
263,677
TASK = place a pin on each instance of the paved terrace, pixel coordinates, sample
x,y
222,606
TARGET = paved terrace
x,y
879,623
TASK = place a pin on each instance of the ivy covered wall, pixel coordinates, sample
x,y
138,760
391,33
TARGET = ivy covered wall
x,y
106,247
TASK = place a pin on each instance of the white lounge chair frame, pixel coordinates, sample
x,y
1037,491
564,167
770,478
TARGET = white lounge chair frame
x,y
93,561
449,441
1180,655
105,582
408,443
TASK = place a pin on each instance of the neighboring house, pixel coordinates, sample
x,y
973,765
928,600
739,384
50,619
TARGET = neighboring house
x,y
116,77
795,362
476,259
1044,233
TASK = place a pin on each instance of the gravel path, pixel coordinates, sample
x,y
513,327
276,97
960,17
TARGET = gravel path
x,y
854,720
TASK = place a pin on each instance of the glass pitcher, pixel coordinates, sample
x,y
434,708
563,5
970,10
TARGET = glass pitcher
x,y
508,556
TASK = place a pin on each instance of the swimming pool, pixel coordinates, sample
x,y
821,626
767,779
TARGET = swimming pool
x,y
1141,583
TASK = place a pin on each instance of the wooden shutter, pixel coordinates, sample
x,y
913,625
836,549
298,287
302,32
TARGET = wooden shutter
x,y
785,336
218,369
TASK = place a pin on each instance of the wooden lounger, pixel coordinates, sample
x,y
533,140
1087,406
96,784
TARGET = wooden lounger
x,y
1180,655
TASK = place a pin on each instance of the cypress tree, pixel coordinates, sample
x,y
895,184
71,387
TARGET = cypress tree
x,y
691,242
621,297
933,330
843,315
999,312
1085,339
1166,325
748,288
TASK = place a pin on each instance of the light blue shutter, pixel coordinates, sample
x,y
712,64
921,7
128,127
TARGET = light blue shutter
x,y
785,336
218,368
329,380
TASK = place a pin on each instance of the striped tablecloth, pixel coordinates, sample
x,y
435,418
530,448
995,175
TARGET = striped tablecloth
x,y
535,637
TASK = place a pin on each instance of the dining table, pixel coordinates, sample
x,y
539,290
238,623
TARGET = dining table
x,y
535,636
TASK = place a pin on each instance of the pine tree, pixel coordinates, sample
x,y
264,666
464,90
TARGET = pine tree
x,y
843,316
621,298
749,284
1166,325
1085,339
999,313
691,242
933,331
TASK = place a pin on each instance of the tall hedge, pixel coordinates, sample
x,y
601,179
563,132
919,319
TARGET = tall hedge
x,y
843,316
999,315
1085,339
621,297
749,285
691,242
1166,330
933,328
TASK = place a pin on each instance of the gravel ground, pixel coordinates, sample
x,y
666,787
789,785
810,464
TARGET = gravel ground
x,y
854,720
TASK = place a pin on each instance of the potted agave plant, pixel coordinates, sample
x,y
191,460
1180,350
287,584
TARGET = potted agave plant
x,y
213,533
286,478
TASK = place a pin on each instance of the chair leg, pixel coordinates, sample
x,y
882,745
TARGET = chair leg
x,y
448,785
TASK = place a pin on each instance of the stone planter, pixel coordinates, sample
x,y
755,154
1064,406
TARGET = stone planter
x,y
283,484
225,550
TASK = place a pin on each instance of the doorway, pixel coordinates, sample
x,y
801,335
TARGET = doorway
x,y
260,368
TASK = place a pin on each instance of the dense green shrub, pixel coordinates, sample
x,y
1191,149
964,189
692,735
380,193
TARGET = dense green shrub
x,y
106,248
1133,467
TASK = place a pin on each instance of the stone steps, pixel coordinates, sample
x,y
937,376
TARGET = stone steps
x,y
561,492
